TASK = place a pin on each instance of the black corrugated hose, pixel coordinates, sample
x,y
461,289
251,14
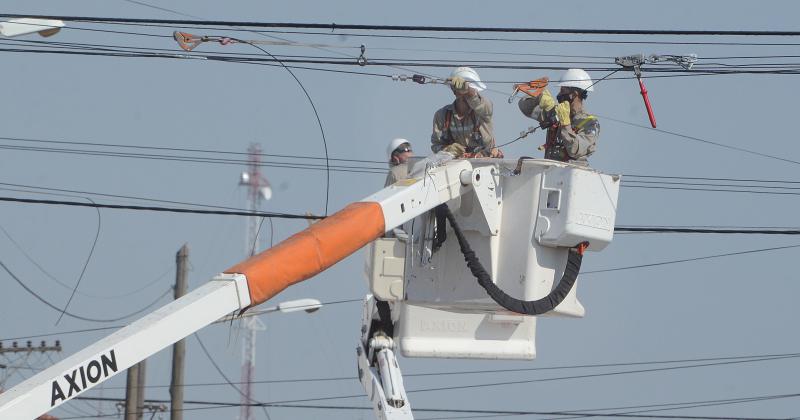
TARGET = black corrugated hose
x,y
526,307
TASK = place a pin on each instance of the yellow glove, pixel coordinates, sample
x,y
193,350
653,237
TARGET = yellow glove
x,y
562,113
455,149
546,101
459,84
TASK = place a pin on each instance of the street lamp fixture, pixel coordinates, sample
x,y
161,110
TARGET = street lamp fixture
x,y
307,305
26,26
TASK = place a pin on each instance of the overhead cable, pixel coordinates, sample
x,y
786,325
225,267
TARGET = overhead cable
x,y
411,28
70,314
314,217
751,358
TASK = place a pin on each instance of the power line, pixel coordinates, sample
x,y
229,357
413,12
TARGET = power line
x,y
412,28
64,310
697,139
707,257
228,381
313,217
597,412
528,381
301,157
329,303
785,70
161,209
85,264
744,359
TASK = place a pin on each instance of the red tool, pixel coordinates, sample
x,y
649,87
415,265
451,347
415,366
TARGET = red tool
x,y
647,105
634,62
533,88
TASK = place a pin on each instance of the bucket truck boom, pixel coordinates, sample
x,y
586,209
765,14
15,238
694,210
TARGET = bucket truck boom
x,y
242,286
520,225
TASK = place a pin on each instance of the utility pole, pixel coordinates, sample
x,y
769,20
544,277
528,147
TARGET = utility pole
x,y
258,189
179,348
140,392
131,392
134,391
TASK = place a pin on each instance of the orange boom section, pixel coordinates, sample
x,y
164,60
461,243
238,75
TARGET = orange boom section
x,y
311,251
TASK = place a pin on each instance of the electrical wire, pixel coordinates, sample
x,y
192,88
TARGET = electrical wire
x,y
369,169
744,359
72,315
707,257
162,209
597,412
196,159
313,217
316,114
64,285
302,157
86,263
412,28
701,71
528,381
221,373
60,333
697,139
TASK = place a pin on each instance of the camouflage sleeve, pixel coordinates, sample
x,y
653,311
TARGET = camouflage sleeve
x,y
436,136
530,108
582,143
482,107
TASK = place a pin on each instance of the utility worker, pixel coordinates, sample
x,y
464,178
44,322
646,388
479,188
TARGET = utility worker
x,y
399,151
465,126
575,138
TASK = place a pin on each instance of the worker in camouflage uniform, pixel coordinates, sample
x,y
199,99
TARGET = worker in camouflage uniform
x,y
575,138
464,128
399,151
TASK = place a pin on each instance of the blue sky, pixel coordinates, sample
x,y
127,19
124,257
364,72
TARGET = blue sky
x,y
733,306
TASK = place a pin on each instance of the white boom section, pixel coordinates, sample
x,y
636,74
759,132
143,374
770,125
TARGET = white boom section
x,y
82,371
409,198
436,181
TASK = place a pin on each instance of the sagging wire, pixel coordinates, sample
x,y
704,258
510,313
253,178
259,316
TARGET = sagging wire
x,y
86,263
521,136
183,39
65,312
221,373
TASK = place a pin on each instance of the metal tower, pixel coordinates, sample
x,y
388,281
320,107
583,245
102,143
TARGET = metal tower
x,y
258,189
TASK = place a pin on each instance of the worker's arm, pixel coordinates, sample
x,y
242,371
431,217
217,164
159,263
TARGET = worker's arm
x,y
582,143
531,109
436,136
482,107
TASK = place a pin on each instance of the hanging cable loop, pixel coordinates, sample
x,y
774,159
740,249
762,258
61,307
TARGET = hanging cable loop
x,y
529,307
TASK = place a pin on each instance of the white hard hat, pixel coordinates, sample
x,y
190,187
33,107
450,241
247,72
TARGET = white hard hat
x,y
394,144
469,75
576,78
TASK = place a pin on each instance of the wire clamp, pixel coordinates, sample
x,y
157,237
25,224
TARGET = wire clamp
x,y
362,60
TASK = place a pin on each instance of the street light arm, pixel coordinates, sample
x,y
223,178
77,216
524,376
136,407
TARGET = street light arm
x,y
26,26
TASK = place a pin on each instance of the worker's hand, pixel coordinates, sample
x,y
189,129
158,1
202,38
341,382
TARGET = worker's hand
x,y
546,101
455,149
562,113
459,84
496,153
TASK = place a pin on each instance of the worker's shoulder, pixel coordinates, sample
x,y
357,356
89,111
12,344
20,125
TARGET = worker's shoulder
x,y
583,114
585,121
441,112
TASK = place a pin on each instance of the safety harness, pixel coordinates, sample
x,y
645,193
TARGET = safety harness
x,y
475,135
554,149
